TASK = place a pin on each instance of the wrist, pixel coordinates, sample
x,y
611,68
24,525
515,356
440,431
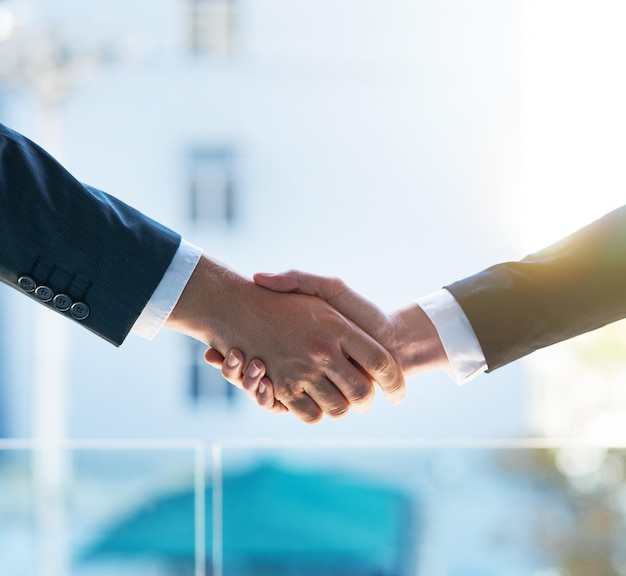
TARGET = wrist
x,y
207,306
417,347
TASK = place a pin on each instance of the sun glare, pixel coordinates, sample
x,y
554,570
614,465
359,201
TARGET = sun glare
x,y
573,115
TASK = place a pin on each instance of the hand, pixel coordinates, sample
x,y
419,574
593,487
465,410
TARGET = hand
x,y
407,333
253,381
319,362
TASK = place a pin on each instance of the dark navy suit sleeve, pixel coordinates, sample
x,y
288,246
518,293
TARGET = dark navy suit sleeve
x,y
571,287
74,248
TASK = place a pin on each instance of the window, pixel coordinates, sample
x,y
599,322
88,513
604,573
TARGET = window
x,y
206,384
212,185
212,27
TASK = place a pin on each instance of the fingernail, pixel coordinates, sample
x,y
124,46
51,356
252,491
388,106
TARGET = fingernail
x,y
254,370
262,388
232,361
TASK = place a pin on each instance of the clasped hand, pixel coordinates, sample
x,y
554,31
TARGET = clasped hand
x,y
342,337
315,360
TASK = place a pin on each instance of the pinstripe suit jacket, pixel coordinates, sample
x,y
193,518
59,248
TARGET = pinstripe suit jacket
x,y
75,248
571,287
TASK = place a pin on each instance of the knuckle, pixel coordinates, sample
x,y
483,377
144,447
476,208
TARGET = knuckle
x,y
337,288
293,274
305,409
227,371
267,403
320,352
360,392
232,374
248,385
382,363
338,284
339,411
291,393
334,281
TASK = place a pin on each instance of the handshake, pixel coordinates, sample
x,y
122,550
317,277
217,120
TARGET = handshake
x,y
311,346
304,344
294,342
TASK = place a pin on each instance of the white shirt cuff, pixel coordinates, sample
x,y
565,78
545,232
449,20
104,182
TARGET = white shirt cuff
x,y
167,293
457,336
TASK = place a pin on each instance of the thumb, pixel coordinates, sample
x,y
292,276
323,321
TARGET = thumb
x,y
303,283
283,282
352,305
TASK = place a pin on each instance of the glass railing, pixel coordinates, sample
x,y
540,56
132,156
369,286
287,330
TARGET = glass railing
x,y
99,509
360,509
430,509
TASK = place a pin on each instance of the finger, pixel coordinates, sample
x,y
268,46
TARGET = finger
x,y
260,389
232,368
214,358
305,409
282,282
354,384
375,361
329,397
304,283
257,387
265,398
252,378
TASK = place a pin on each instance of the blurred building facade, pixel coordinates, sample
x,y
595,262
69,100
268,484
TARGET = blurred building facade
x,y
378,141
374,141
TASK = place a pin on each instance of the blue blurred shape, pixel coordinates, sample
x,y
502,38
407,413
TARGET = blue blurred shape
x,y
280,522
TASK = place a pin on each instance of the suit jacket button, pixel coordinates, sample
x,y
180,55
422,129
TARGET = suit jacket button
x,y
79,311
44,293
62,302
26,283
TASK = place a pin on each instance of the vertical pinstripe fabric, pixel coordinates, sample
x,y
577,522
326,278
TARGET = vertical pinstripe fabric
x,y
571,287
76,239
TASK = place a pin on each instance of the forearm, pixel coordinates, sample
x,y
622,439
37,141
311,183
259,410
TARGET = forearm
x,y
78,242
569,288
